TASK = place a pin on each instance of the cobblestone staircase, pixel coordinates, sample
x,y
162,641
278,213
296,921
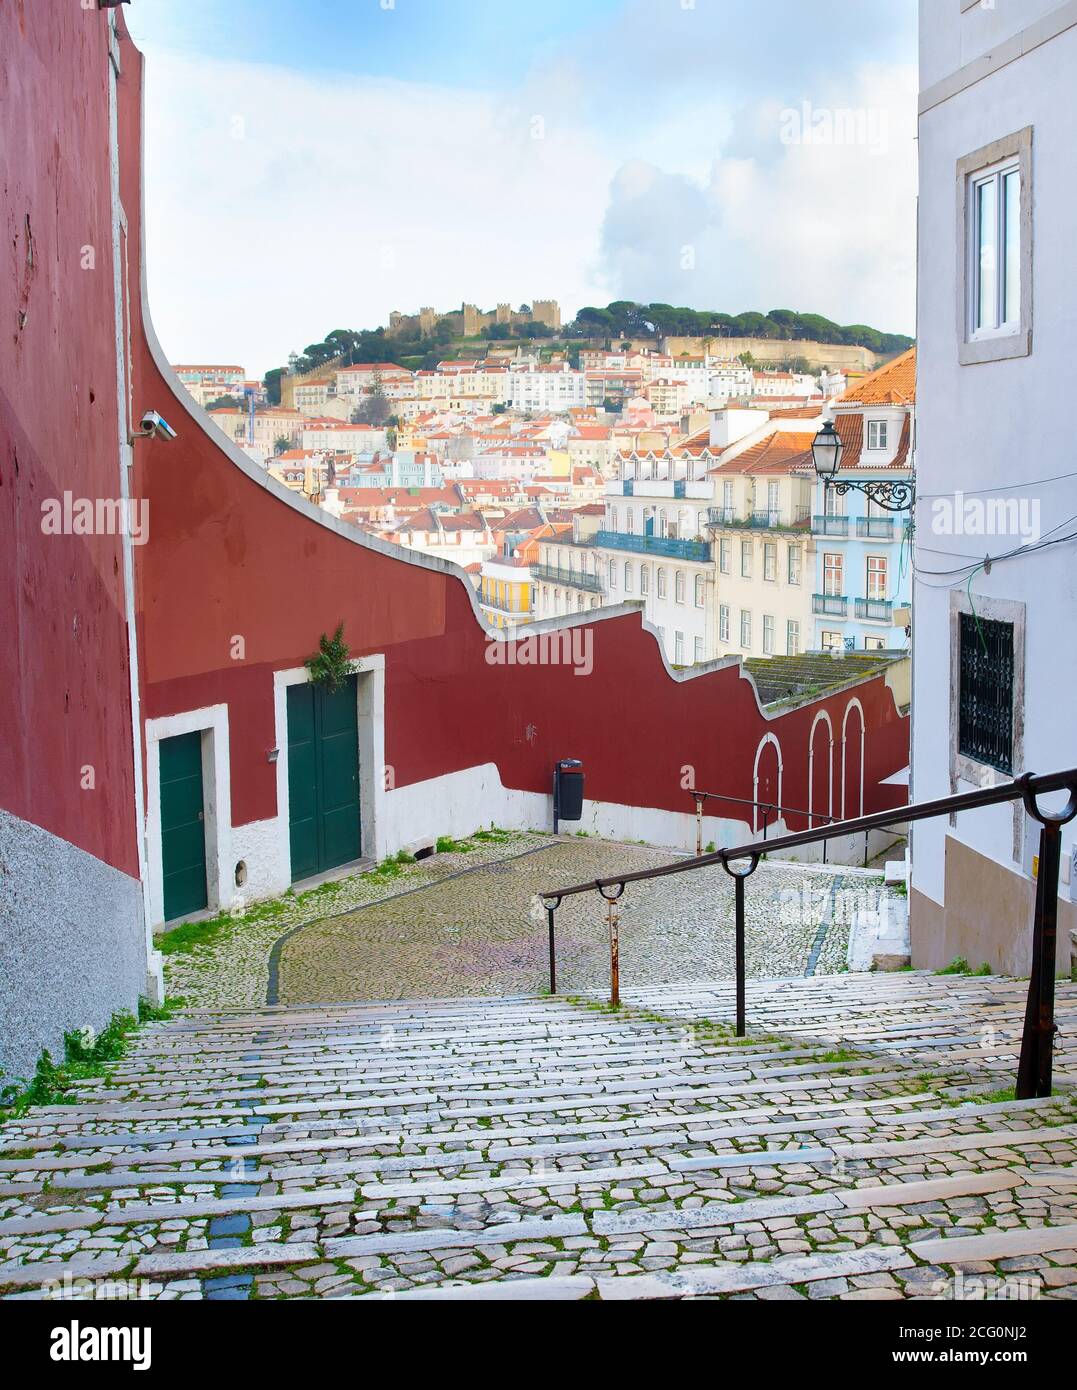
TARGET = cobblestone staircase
x,y
853,1147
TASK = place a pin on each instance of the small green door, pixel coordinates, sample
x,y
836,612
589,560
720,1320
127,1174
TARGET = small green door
x,y
323,777
183,828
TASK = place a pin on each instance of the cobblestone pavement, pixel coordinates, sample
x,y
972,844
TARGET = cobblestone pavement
x,y
231,968
479,933
858,1145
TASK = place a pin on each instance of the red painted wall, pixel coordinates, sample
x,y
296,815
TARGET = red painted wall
x,y
64,683
228,559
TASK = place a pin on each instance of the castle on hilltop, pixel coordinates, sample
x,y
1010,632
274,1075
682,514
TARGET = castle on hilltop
x,y
469,321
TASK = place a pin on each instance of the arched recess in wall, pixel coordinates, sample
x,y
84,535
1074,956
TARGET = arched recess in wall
x,y
852,761
820,769
767,779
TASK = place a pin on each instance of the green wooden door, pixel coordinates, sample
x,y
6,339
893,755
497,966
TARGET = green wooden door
x,y
323,778
183,828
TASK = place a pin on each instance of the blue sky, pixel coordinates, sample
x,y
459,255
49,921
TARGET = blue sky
x,y
332,160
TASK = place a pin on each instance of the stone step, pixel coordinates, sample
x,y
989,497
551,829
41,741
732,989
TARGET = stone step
x,y
136,1214
960,1143
434,1238
761,1158
567,1288
996,1245
532,1178
729,1277
902,1194
650,1220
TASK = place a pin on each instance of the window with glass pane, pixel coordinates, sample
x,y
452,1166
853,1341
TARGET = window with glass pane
x,y
877,576
792,638
794,564
613,574
725,555
697,656
678,586
768,635
745,628
700,590
877,434
996,250
661,583
678,648
746,559
628,577
770,560
723,622
833,574
644,579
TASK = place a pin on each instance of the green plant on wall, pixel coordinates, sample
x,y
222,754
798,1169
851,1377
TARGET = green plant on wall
x,y
331,665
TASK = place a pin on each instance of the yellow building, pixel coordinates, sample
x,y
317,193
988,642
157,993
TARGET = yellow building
x,y
506,595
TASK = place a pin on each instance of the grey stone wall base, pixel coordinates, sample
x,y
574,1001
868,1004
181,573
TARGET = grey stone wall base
x,y
72,942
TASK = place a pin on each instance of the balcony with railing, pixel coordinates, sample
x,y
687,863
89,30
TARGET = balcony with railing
x,y
875,528
830,605
668,546
830,525
875,610
766,519
571,579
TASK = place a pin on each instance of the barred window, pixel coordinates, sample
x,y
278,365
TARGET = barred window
x,y
985,732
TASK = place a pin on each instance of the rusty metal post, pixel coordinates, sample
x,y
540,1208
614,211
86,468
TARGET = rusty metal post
x,y
612,920
615,957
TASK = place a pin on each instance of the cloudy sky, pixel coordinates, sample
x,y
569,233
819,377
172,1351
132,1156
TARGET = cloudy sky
x,y
314,166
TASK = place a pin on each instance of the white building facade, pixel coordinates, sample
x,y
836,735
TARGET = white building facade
x,y
995,611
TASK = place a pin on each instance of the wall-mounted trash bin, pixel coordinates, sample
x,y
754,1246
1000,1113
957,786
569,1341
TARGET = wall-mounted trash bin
x,y
567,791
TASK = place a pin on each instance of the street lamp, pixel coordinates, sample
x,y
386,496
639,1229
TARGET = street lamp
x,y
827,450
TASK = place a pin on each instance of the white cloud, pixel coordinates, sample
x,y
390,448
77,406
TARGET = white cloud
x,y
815,226
281,206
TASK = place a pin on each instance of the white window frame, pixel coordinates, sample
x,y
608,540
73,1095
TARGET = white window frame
x,y
746,628
768,634
992,162
723,622
792,637
878,434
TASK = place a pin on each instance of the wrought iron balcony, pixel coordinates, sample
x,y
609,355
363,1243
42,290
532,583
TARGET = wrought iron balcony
x,y
830,605
876,528
571,579
875,609
830,525
768,519
674,549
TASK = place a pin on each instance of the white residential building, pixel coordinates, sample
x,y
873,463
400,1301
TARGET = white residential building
x,y
545,390
995,619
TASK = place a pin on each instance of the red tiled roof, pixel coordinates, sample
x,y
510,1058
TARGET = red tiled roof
x,y
781,452
892,384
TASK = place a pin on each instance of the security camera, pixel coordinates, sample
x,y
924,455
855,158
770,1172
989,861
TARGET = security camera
x,y
153,424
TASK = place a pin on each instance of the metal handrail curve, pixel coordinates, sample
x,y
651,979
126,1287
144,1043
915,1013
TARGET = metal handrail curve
x,y
1034,1069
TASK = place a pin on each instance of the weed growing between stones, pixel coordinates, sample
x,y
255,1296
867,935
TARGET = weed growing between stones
x,y
86,1054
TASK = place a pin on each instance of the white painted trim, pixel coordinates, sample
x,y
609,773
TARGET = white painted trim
x,y
821,717
370,710
217,804
767,738
853,704
1050,26
154,987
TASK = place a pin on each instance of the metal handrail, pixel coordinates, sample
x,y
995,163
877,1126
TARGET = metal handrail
x,y
1034,1069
